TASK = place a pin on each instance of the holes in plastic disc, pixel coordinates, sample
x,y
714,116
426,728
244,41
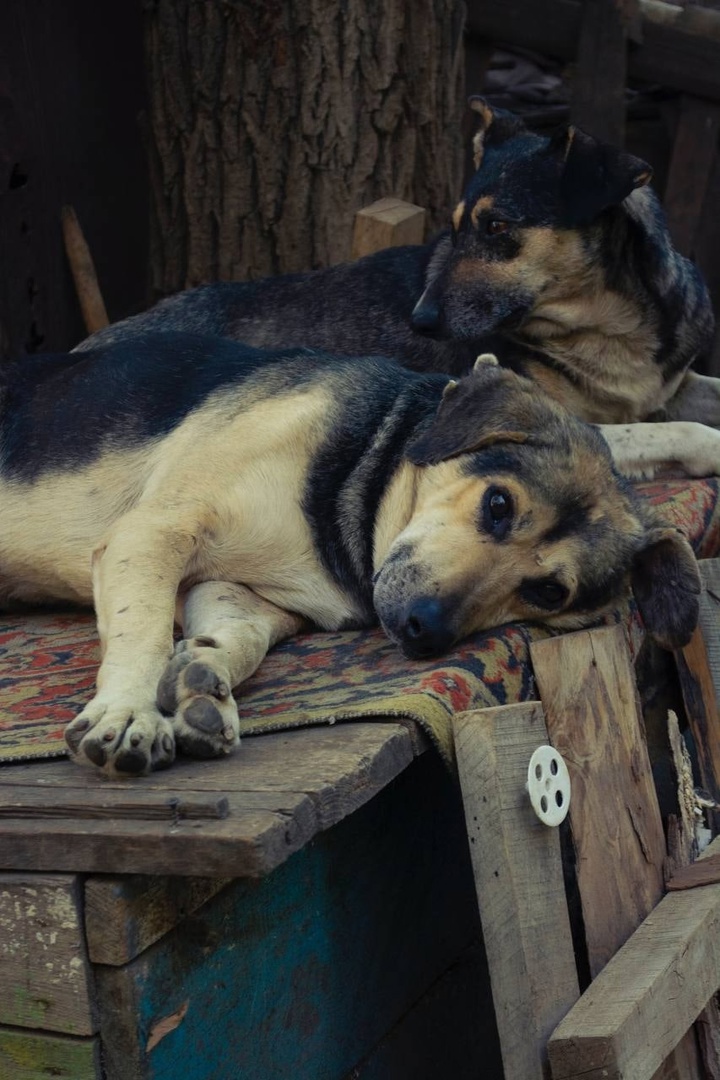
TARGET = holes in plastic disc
x,y
548,785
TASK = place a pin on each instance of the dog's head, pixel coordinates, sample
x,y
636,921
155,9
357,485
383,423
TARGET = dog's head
x,y
519,515
523,229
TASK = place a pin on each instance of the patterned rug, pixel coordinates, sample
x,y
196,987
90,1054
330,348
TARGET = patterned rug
x,y
48,664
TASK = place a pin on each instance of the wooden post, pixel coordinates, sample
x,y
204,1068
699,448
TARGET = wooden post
x,y
519,882
598,86
694,152
387,223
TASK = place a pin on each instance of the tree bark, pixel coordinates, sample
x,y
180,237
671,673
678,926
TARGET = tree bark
x,y
271,122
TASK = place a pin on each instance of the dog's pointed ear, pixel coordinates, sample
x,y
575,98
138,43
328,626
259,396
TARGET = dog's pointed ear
x,y
469,418
594,175
666,584
493,126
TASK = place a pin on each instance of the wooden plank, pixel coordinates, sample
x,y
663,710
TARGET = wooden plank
x,y
302,973
30,802
702,713
32,1055
598,83
519,883
306,782
387,223
694,151
589,696
45,978
668,55
702,872
125,915
628,1021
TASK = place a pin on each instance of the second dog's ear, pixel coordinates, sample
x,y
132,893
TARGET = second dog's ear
x,y
594,175
470,417
493,126
666,585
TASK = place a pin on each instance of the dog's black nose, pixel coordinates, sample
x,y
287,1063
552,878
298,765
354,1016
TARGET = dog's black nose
x,y
426,317
425,631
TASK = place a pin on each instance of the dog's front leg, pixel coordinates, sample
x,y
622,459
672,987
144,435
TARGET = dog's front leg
x,y
136,575
676,448
228,629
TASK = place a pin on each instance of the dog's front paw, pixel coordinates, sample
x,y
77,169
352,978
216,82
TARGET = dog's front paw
x,y
121,739
195,691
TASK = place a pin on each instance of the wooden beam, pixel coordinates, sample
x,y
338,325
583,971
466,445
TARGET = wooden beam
x,y
519,883
589,697
600,73
669,55
628,1021
387,223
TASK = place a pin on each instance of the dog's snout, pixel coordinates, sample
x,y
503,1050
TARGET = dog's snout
x,y
426,316
425,631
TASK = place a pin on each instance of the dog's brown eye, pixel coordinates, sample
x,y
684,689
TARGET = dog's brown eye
x,y
497,512
546,593
495,227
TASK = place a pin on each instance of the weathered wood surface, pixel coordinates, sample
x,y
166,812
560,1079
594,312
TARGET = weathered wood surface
x,y
32,1055
600,72
669,55
281,790
694,150
387,223
45,979
300,974
519,883
125,915
593,718
633,1015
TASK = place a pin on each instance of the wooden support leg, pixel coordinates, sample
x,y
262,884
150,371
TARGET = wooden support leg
x,y
519,881
598,87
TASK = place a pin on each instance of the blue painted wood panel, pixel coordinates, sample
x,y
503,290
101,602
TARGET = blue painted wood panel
x,y
301,974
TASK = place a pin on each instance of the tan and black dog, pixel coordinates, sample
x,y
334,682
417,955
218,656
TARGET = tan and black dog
x,y
257,493
558,260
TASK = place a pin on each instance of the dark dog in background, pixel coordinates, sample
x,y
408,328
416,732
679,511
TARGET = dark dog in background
x,y
558,260
249,494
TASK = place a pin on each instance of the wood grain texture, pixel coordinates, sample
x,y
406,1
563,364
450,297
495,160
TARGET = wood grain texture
x,y
694,152
636,1011
519,883
125,915
589,697
44,973
600,73
281,790
387,223
32,1055
302,973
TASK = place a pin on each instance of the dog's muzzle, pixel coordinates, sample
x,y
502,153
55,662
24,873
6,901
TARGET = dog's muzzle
x,y
423,630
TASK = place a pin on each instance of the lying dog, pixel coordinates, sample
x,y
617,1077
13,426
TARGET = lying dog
x,y
264,492
559,261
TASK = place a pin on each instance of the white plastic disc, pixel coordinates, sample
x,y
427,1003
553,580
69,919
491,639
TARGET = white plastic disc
x,y
548,785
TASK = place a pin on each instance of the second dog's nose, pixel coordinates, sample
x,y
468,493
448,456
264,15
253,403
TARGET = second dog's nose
x,y
424,630
426,316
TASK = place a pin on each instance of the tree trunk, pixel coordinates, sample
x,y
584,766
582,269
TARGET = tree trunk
x,y
271,122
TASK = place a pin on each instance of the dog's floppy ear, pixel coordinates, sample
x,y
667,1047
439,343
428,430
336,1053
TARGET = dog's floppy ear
x,y
666,584
594,175
494,126
469,417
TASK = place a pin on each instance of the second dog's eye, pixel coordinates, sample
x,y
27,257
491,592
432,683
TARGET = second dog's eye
x,y
545,593
495,226
497,512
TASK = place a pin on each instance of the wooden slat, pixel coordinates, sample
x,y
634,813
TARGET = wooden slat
x,y
30,802
387,223
598,83
694,151
519,883
125,915
32,1055
589,696
702,872
44,972
281,790
668,55
628,1021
